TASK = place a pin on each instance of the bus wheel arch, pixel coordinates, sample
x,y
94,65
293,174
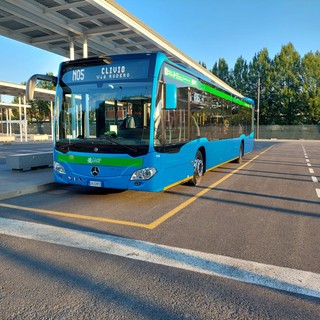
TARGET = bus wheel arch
x,y
199,166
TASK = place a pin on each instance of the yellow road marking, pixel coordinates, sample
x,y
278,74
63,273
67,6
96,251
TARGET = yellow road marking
x,y
183,205
72,215
149,226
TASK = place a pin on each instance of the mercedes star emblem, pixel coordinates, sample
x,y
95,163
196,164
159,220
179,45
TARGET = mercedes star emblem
x,y
95,171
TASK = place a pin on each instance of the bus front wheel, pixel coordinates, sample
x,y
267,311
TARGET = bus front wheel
x,y
198,168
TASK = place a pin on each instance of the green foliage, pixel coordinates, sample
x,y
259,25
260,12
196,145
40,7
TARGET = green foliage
x,y
203,64
239,75
290,85
310,75
221,70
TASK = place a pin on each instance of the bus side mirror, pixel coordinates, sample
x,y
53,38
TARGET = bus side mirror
x,y
31,84
170,96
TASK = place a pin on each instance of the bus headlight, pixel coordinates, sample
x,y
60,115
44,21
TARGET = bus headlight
x,y
59,168
143,174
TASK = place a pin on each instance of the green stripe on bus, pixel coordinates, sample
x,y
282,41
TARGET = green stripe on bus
x,y
182,77
202,86
93,160
223,95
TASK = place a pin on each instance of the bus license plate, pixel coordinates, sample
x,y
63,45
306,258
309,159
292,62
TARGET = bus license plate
x,y
96,184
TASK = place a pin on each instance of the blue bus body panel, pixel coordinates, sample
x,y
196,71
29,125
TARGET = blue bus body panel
x,y
109,176
172,168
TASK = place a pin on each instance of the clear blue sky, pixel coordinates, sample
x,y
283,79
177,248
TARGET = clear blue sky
x,y
205,30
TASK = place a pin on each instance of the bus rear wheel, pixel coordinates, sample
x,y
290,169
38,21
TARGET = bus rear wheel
x,y
198,170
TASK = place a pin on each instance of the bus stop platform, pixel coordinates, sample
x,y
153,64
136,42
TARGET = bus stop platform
x,y
14,183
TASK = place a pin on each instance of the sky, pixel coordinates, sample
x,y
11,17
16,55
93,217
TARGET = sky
x,y
205,30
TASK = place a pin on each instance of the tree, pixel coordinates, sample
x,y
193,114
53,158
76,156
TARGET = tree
x,y
239,75
310,74
288,86
261,67
203,64
221,70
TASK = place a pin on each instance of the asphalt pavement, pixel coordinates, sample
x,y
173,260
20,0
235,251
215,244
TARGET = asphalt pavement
x,y
263,214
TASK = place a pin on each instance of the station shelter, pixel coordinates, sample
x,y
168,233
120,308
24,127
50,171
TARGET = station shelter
x,y
7,133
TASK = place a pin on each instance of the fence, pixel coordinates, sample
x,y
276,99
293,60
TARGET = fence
x,y
306,132
33,128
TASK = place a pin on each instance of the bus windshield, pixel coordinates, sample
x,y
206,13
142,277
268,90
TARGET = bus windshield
x,y
103,117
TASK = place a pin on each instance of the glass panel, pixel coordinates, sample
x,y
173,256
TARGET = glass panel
x,y
215,118
171,125
202,111
105,116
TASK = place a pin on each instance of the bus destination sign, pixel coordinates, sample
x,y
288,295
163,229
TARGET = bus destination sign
x,y
126,70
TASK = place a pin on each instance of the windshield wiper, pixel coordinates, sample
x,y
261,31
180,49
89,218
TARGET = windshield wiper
x,y
66,147
85,143
121,145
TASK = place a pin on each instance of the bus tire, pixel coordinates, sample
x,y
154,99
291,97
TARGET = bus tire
x,y
240,157
198,170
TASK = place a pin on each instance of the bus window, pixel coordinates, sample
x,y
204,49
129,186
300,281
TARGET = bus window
x,y
171,125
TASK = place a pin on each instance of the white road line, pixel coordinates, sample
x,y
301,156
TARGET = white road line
x,y
280,278
314,179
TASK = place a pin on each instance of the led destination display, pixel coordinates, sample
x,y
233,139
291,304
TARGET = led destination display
x,y
124,70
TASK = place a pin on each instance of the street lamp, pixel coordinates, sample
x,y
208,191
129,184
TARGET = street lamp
x,y
258,108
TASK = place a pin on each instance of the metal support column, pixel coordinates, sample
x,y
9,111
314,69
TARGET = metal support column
x,y
25,118
85,46
71,46
258,110
20,120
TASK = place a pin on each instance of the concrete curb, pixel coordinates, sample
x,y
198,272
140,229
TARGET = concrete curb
x,y
28,190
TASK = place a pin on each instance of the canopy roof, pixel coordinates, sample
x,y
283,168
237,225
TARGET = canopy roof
x,y
19,90
84,28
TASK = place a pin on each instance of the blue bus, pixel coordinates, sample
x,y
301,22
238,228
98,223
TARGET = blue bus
x,y
142,122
